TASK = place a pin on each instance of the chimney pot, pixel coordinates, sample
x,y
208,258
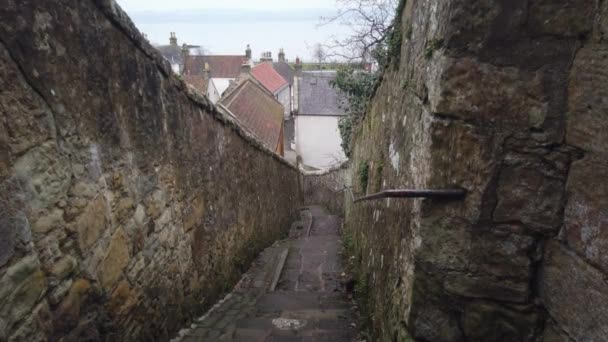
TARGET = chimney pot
x,y
248,52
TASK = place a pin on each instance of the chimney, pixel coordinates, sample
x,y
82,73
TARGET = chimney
x,y
206,71
266,57
245,68
281,55
298,66
173,39
248,52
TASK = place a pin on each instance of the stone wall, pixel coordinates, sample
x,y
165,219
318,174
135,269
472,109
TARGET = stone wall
x,y
507,100
127,203
327,188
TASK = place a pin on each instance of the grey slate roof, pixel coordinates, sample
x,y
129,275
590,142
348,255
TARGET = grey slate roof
x,y
172,53
316,95
285,70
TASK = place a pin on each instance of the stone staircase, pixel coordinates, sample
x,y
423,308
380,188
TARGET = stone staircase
x,y
292,292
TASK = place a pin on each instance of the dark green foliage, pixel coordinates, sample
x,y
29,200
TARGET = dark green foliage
x,y
395,37
345,126
357,87
363,175
432,46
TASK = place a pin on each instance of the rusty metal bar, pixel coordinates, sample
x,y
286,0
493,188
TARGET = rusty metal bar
x,y
408,193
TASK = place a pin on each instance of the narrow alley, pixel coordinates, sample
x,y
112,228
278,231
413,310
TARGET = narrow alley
x,y
294,291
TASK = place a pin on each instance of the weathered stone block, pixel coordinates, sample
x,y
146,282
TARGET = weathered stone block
x,y
502,96
586,217
37,327
565,18
15,230
529,193
25,116
92,223
464,156
48,222
20,289
587,94
59,292
123,299
194,213
116,259
47,173
476,25
574,293
68,312
64,267
487,287
492,322
435,323
124,209
445,243
501,254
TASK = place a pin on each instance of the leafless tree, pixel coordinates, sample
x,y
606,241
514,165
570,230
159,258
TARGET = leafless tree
x,y
319,54
370,23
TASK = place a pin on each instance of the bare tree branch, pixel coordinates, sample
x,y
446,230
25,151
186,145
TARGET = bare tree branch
x,y
370,23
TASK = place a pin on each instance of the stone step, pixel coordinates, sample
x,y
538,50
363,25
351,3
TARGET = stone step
x,y
283,329
294,301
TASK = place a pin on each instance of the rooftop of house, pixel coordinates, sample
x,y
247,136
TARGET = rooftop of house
x,y
172,53
317,96
285,70
257,111
198,82
269,77
219,66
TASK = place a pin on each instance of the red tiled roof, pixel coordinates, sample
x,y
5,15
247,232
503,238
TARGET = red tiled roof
x,y
269,77
219,66
198,82
258,111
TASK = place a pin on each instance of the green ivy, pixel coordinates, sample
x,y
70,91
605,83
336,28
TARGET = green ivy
x,y
363,175
395,37
432,46
357,87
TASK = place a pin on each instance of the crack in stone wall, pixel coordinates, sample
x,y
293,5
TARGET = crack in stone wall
x,y
129,204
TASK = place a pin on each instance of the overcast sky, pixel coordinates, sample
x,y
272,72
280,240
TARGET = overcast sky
x,y
227,26
164,5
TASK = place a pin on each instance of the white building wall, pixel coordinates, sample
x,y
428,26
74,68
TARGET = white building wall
x,y
221,84
212,93
318,141
284,97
